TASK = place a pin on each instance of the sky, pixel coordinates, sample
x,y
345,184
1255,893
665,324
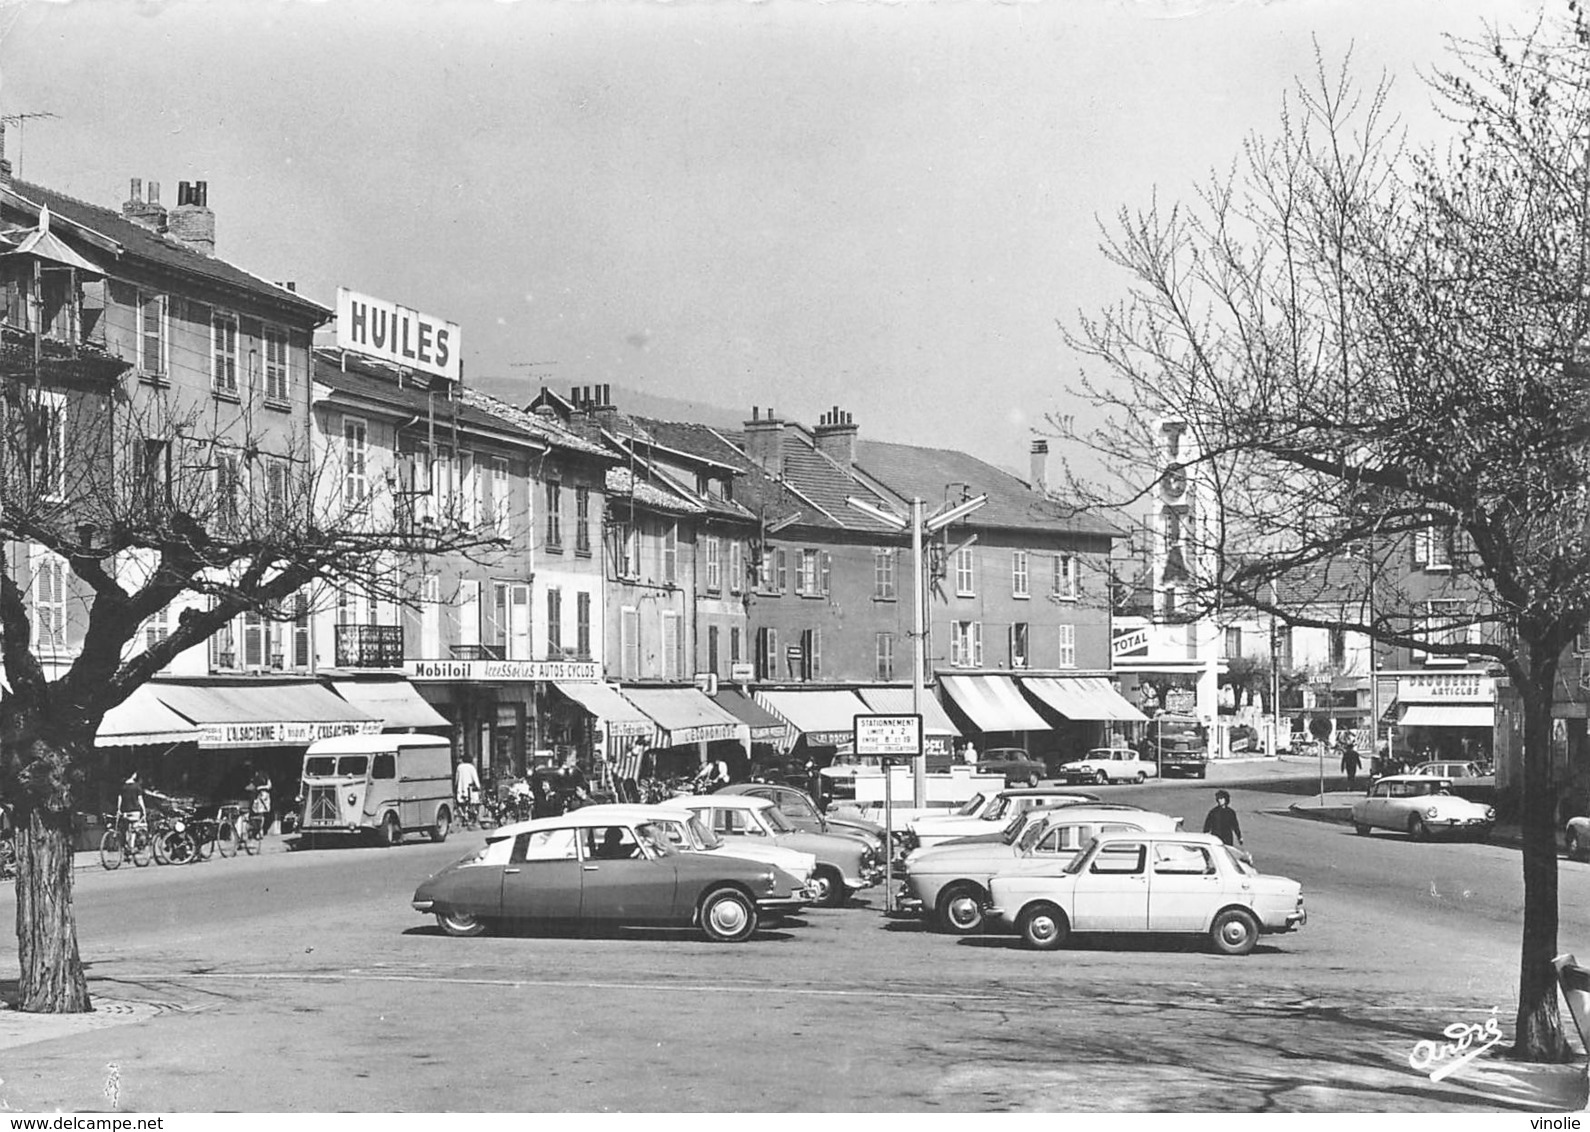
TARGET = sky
x,y
884,207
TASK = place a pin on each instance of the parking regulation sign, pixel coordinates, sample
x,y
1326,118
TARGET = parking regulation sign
x,y
891,736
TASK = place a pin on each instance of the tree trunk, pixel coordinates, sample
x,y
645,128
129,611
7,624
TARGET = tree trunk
x,y
1539,1027
53,981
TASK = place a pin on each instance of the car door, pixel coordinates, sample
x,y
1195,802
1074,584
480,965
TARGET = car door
x,y
1374,807
620,880
542,878
1184,887
795,806
1111,893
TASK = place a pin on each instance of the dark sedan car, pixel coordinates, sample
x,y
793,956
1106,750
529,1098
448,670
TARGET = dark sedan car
x,y
1018,767
597,870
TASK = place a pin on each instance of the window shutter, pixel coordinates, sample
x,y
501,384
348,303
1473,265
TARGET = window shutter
x,y
1421,546
817,653
1010,643
977,644
828,570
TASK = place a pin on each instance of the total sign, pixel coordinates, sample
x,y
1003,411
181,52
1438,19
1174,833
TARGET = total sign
x,y
397,334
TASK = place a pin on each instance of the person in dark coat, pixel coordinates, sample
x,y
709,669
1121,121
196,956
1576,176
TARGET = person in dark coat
x,y
1350,765
1222,820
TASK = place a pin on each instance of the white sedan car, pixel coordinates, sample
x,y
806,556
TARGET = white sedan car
x,y
988,813
1149,882
1108,764
1420,806
688,835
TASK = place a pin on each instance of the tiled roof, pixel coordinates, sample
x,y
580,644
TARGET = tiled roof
x,y
373,381
623,482
828,485
549,429
141,243
937,475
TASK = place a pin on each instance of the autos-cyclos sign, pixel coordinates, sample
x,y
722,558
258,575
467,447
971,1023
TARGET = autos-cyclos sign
x,y
568,671
397,334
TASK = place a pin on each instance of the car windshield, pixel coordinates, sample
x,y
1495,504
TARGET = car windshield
x,y
1081,858
776,821
675,832
998,810
1034,834
970,806
704,836
656,838
320,766
1013,830
1240,865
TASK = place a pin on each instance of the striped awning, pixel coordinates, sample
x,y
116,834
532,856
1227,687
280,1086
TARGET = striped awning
x,y
618,717
1447,715
993,703
141,718
1083,697
686,715
825,717
899,701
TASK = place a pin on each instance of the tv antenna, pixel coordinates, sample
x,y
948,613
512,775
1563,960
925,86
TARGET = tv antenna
x,y
20,121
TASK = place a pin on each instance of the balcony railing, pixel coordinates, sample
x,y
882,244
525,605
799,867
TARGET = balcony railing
x,y
369,646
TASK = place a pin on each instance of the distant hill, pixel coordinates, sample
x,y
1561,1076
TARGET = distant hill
x,y
521,393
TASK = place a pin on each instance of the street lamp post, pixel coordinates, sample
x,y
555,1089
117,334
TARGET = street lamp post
x,y
919,528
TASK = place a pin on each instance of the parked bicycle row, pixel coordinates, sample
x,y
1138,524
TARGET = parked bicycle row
x,y
151,826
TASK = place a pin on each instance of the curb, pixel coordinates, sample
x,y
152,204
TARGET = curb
x,y
88,859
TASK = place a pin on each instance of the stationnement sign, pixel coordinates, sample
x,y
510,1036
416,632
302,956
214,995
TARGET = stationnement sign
x,y
892,736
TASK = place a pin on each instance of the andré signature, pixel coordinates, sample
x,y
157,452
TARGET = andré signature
x,y
1449,1056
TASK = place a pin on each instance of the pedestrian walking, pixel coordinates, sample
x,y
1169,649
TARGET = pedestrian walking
x,y
1222,820
1350,765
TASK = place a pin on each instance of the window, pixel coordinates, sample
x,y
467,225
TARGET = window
x,y
780,570
736,566
1118,857
474,510
442,498
766,653
519,622
228,483
153,335
672,647
1233,642
383,766
1068,646
811,654
884,656
1020,655
156,627
712,649
582,521
734,645
582,625
1337,642
45,423
965,566
883,573
430,617
1065,577
501,497
223,648
554,623
301,638
545,845
625,558
1018,574
554,491
1176,859
806,573
223,353
1444,624
469,612
629,642
966,644
278,386
49,600
670,554
714,564
1432,547
355,456
276,490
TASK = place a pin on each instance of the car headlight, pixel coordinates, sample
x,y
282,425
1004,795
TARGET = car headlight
x,y
869,857
1490,813
1431,812
769,880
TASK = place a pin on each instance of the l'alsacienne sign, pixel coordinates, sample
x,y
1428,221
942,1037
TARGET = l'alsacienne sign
x,y
567,671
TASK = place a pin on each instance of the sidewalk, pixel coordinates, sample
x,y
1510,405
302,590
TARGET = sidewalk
x,y
89,858
1337,806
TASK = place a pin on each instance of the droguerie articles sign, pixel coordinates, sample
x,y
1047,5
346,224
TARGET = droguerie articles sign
x,y
397,334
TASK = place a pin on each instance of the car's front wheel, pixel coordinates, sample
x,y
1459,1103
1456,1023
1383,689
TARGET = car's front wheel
x,y
460,923
1417,829
961,909
830,887
1360,829
1234,932
1102,778
1142,777
727,916
1044,927
1576,847
443,826
1033,779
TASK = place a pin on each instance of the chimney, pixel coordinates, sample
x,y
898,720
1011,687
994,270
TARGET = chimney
x,y
1040,467
836,437
145,213
602,399
764,441
191,223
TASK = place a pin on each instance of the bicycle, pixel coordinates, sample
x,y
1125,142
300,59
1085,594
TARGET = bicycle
x,y
253,833
172,838
469,811
125,839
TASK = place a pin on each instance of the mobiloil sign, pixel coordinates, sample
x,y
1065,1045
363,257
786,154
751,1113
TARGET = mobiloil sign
x,y
397,334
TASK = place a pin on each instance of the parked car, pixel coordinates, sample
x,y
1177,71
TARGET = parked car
x,y
1108,764
1018,767
844,864
950,881
802,812
1020,822
1149,882
1184,758
1451,770
1421,806
599,870
979,809
1577,835
686,833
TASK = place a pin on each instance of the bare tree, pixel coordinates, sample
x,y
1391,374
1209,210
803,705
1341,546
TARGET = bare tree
x,y
153,505
1372,345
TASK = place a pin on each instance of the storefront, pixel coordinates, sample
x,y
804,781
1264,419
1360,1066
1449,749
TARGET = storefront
x,y
939,733
393,702
1091,712
771,737
822,721
691,729
616,726
1450,716
996,713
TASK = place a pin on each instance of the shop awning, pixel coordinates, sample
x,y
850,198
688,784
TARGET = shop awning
x,y
765,726
1448,715
685,715
142,718
897,701
825,717
394,702
263,714
993,703
618,717
1083,697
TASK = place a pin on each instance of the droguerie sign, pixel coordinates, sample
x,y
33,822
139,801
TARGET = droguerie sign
x,y
397,334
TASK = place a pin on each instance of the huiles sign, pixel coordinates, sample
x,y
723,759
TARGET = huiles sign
x,y
397,334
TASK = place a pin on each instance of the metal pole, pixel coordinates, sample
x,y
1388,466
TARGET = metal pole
x,y
888,835
1374,674
918,653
